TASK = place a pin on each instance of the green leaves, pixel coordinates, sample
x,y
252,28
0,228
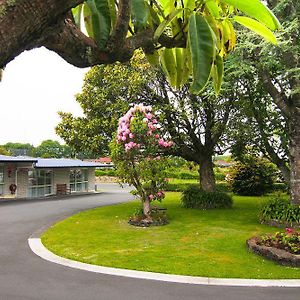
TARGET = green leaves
x,y
76,11
204,28
202,49
160,29
100,21
256,27
168,62
217,73
256,9
140,14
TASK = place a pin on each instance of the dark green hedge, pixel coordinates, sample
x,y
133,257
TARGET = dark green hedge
x,y
194,197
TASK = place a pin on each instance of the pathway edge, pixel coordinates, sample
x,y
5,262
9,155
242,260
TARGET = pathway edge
x,y
40,250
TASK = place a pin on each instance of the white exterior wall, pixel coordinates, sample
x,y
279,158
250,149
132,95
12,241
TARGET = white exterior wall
x,y
60,176
22,183
91,179
8,180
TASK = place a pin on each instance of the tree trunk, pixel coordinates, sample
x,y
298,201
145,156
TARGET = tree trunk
x,y
206,174
147,209
294,128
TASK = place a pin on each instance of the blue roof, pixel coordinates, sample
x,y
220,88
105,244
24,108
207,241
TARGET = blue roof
x,y
6,158
52,162
65,163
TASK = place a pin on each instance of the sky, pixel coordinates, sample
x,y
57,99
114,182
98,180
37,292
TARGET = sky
x,y
35,86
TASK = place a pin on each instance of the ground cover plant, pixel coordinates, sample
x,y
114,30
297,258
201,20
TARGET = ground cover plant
x,y
281,211
196,242
288,240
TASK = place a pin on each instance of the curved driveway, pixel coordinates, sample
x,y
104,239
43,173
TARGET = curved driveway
x,y
23,275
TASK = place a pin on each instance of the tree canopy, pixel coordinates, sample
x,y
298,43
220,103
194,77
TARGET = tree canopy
x,y
200,32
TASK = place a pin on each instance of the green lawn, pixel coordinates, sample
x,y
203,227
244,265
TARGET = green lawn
x,y
199,243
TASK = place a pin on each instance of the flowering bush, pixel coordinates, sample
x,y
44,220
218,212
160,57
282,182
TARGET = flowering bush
x,y
288,240
136,152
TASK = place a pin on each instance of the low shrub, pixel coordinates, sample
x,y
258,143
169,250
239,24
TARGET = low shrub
x,y
194,197
182,175
281,211
111,172
252,177
280,187
219,176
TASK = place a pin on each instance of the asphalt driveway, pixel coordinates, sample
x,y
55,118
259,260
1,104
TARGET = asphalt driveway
x,y
23,275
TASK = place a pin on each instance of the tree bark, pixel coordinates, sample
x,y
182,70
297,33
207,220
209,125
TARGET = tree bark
x,y
147,209
24,24
294,126
206,174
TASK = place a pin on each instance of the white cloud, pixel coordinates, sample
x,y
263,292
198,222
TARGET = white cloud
x,y
35,86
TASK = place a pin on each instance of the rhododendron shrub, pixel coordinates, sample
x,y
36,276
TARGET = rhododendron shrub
x,y
137,151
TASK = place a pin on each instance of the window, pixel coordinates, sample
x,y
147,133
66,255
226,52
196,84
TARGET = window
x,y
79,180
40,183
1,180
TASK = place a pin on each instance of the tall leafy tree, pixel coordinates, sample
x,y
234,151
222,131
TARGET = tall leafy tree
x,y
52,149
201,32
106,94
196,124
16,149
269,79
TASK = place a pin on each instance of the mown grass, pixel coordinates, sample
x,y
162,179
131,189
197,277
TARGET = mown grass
x,y
199,243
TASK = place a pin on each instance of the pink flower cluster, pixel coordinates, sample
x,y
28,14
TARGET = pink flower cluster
x,y
158,195
163,143
124,134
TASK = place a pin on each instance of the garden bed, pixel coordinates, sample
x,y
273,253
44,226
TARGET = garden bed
x,y
280,256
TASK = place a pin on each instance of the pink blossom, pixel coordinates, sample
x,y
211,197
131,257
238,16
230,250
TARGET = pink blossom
x,y
131,135
145,120
161,142
151,197
154,121
288,230
157,136
149,116
159,194
158,157
149,133
124,138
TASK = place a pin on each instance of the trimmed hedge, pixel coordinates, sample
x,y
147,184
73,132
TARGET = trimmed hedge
x,y
194,197
180,187
105,172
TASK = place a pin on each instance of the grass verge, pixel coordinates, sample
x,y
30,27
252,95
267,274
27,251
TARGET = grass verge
x,y
198,243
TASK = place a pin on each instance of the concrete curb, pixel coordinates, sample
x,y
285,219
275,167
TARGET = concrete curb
x,y
39,249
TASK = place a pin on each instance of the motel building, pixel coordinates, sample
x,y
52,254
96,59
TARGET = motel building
x,y
27,177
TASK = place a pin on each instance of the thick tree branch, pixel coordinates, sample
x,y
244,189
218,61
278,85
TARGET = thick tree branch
x,y
75,47
23,24
27,24
279,98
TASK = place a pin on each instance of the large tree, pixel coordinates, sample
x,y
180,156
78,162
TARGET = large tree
x,y
106,94
196,124
52,149
115,29
269,80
